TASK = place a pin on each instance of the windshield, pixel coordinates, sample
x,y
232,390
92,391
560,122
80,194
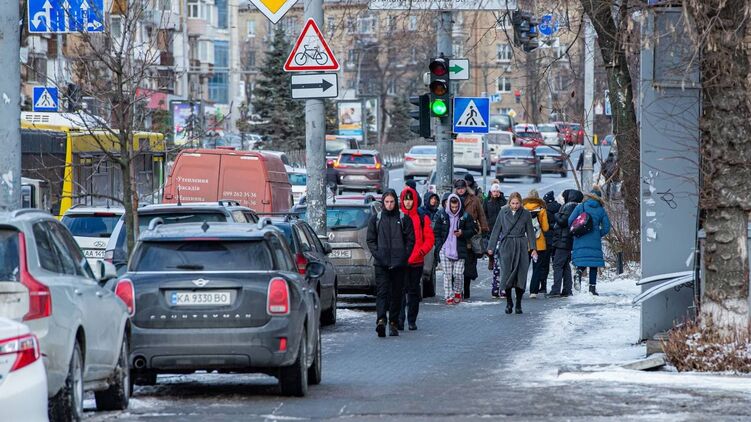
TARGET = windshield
x,y
357,159
335,146
528,134
546,151
500,122
546,128
499,138
9,260
517,152
203,255
91,225
575,126
345,217
298,179
423,150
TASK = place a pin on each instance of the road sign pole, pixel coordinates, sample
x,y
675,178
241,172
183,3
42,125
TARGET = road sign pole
x,y
10,109
444,146
315,152
589,82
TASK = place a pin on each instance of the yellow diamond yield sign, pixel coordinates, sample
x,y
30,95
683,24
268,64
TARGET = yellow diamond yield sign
x,y
273,9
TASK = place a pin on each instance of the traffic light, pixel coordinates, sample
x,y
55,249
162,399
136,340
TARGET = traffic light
x,y
526,33
422,115
440,96
533,35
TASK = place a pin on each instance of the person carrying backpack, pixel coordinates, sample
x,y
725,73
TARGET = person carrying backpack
x,y
423,244
453,229
563,242
587,252
390,239
538,209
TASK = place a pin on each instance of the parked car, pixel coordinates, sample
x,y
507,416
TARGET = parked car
x,y
221,211
432,181
419,161
217,296
23,382
92,228
502,122
468,151
550,134
577,134
525,127
497,142
361,170
254,179
518,162
347,224
552,161
529,139
306,247
83,328
298,178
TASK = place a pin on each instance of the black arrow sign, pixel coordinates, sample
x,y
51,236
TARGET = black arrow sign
x,y
324,85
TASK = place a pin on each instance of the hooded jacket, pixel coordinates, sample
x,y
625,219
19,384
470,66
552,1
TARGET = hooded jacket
x,y
587,251
562,238
423,232
538,209
391,238
552,207
426,209
443,226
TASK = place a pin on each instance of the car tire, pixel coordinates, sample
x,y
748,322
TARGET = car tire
x,y
328,317
143,378
67,404
118,395
315,371
293,379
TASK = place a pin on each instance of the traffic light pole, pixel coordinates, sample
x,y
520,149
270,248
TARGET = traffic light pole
x,y
315,149
10,108
444,146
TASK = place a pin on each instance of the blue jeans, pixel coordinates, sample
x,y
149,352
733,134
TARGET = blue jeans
x,y
592,274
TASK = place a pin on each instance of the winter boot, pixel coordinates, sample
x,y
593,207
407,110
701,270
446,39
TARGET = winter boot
x,y
593,290
393,330
519,294
509,302
412,326
381,328
578,279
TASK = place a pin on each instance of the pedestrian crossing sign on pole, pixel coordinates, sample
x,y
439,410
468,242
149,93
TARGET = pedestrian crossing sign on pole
x,y
471,114
45,98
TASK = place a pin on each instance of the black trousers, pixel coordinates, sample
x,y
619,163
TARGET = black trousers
x,y
470,271
562,271
540,271
389,292
412,295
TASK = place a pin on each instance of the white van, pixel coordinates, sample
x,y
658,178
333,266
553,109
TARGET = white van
x,y
498,141
468,152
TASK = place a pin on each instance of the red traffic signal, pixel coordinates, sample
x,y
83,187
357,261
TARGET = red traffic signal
x,y
439,67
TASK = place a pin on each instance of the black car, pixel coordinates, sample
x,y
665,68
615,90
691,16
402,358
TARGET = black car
x,y
227,297
306,247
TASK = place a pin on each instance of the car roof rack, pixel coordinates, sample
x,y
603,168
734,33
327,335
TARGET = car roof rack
x,y
263,222
229,202
153,224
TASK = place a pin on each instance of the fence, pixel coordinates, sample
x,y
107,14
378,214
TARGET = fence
x,y
392,153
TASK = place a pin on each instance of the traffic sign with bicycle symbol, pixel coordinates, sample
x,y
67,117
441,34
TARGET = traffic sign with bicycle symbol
x,y
315,54
311,52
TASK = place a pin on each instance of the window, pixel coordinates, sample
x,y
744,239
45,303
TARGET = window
x,y
116,26
221,56
503,53
283,259
392,23
207,11
304,242
10,262
314,240
206,51
100,226
504,84
48,258
250,59
193,9
330,25
413,55
68,264
458,50
412,23
251,28
221,14
239,217
352,57
165,5
350,25
203,255
366,25
219,88
391,87
37,68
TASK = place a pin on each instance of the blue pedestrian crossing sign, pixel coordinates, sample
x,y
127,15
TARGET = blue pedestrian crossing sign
x,y
45,98
471,114
65,16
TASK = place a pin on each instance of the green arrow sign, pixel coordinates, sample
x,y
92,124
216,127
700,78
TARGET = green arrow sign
x,y
456,68
459,69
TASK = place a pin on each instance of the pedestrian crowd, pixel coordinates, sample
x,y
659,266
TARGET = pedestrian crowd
x,y
463,226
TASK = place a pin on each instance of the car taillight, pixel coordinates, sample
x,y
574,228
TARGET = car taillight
x,y
277,300
125,291
302,262
26,349
408,158
40,299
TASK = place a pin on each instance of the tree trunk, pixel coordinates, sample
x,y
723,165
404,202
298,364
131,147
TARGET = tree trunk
x,y
611,39
725,158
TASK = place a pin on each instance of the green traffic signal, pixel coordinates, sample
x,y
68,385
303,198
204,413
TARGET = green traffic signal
x,y
438,107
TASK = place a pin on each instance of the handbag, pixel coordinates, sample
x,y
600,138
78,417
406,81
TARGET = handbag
x,y
476,243
581,225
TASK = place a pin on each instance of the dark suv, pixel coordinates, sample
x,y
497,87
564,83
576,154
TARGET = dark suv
x,y
227,297
221,211
361,170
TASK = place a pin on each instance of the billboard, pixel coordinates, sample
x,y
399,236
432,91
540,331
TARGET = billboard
x,y
185,120
349,115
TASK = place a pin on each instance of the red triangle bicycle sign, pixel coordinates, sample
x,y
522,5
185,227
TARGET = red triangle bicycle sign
x,y
311,51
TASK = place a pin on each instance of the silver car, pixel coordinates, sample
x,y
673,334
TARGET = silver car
x,y
419,161
83,328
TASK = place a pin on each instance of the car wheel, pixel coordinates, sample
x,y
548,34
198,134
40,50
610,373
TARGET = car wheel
x,y
143,378
117,396
293,379
328,317
315,372
67,405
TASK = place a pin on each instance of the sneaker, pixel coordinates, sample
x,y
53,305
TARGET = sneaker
x,y
393,331
450,301
400,326
566,294
593,290
533,295
457,298
381,328
553,295
502,294
494,293
578,280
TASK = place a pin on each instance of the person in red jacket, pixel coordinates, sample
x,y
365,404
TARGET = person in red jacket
x,y
424,240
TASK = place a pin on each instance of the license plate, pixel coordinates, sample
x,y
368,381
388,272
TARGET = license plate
x,y
424,161
548,160
340,253
205,298
517,163
93,253
357,177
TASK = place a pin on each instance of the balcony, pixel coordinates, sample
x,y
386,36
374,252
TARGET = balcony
x,y
166,58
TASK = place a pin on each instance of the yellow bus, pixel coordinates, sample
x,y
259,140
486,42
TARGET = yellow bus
x,y
63,150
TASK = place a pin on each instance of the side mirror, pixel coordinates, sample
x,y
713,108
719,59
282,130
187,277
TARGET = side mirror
x,y
327,247
107,271
314,270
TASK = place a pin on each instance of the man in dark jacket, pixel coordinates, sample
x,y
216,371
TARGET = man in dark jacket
x,y
431,205
390,239
552,207
563,242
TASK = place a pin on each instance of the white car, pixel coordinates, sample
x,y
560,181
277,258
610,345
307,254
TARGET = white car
x,y
419,161
498,141
298,178
525,127
550,134
23,381
92,228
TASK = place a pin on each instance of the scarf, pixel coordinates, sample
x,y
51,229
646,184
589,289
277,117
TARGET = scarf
x,y
450,245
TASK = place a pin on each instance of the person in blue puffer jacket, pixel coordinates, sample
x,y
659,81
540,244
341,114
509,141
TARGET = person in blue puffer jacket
x,y
587,252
